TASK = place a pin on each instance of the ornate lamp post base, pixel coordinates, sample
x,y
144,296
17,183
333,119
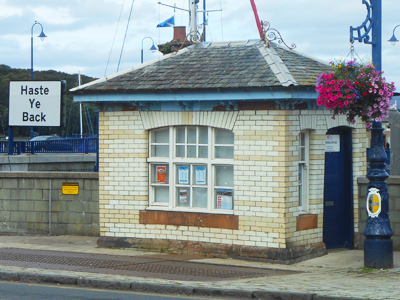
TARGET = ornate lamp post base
x,y
378,246
378,253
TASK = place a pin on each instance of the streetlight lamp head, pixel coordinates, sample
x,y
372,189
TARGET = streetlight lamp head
x,y
153,49
42,35
393,40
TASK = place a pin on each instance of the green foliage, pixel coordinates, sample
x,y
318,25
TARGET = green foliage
x,y
72,127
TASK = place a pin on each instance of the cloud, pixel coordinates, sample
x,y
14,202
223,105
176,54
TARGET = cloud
x,y
58,16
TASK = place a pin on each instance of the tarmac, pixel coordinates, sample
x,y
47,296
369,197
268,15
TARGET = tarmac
x,y
77,261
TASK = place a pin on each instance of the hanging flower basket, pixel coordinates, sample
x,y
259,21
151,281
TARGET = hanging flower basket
x,y
355,90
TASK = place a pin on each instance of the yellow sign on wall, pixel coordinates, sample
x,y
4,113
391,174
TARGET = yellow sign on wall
x,y
70,188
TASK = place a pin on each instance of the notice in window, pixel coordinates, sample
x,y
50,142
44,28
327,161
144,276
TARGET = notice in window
x,y
224,199
183,196
183,174
200,175
161,174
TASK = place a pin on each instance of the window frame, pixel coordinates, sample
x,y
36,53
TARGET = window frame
x,y
174,162
303,163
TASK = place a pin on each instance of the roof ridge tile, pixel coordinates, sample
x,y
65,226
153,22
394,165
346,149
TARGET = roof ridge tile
x,y
277,65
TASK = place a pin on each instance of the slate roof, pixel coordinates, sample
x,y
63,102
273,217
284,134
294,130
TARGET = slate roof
x,y
394,117
210,66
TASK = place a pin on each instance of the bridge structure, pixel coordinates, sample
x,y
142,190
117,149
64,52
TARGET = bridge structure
x,y
69,154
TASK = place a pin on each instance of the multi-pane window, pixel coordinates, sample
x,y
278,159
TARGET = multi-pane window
x,y
191,168
303,170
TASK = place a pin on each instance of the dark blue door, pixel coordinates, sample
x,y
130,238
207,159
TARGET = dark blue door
x,y
338,191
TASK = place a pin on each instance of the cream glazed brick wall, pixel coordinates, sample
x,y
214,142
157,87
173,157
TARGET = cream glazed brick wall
x,y
259,176
360,145
262,177
123,174
321,123
265,176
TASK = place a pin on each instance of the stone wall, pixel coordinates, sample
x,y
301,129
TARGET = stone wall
x,y
393,183
64,162
33,203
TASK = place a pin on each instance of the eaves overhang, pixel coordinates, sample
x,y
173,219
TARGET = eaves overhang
x,y
296,93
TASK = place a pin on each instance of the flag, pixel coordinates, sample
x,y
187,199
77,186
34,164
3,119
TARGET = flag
x,y
167,23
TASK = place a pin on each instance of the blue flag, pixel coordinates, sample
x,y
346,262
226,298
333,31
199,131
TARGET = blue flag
x,y
167,23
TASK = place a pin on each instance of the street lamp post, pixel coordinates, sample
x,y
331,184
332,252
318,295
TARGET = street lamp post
x,y
393,39
152,49
41,36
378,245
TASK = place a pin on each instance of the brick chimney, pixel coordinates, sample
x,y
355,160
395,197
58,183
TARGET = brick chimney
x,y
179,33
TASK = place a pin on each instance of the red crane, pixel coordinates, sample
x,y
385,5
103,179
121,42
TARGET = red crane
x,y
253,5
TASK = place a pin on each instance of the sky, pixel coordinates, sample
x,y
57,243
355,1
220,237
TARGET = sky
x,y
87,36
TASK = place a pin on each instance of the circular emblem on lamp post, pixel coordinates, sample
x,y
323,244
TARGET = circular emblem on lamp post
x,y
373,203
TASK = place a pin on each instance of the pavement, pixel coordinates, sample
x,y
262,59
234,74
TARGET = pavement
x,y
77,261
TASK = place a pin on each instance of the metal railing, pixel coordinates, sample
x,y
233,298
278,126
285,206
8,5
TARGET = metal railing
x,y
68,145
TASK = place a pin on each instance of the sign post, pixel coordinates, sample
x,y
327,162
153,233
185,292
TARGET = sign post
x,y
35,103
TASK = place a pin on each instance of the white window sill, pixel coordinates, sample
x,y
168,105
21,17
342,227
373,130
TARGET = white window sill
x,y
300,212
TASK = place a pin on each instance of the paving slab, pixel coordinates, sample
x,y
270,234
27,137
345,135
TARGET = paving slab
x,y
175,267
338,275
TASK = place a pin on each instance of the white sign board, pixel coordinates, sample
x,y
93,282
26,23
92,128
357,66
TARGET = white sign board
x,y
35,103
332,143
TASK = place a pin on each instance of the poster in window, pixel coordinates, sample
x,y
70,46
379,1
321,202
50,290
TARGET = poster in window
x,y
200,175
161,174
183,196
224,199
183,174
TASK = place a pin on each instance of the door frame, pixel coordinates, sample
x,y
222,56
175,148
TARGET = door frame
x,y
346,144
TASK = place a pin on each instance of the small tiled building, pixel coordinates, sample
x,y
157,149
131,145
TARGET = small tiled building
x,y
220,149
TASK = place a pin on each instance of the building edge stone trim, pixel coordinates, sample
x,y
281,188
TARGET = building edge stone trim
x,y
271,255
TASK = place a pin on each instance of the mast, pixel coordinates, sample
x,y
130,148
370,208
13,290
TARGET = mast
x,y
193,19
194,35
204,20
80,107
